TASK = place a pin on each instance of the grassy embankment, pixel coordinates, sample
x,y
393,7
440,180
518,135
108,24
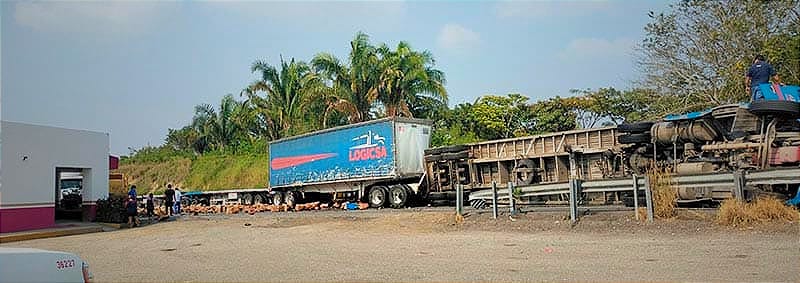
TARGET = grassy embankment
x,y
201,173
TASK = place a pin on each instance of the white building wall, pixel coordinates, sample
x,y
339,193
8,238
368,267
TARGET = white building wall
x,y
31,153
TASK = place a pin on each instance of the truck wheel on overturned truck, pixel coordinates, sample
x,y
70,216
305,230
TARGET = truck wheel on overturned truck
x,y
398,196
634,128
446,149
377,196
634,138
784,108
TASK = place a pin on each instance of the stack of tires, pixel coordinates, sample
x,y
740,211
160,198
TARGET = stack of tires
x,y
634,133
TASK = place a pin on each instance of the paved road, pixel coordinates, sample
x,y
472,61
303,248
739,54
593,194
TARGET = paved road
x,y
426,246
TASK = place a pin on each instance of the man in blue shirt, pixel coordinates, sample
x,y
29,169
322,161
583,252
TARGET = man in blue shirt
x,y
132,191
759,73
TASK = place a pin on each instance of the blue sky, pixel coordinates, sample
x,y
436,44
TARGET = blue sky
x,y
135,69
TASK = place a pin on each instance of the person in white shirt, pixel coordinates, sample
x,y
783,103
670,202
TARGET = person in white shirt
x,y
177,205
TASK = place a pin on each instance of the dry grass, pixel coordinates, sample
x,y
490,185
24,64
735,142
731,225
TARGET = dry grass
x,y
664,194
763,210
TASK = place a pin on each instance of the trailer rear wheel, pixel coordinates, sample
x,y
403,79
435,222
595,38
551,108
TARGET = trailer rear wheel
x,y
292,198
247,199
259,199
377,196
277,198
398,196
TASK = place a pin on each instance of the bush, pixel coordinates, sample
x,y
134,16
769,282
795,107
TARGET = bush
x,y
736,213
664,194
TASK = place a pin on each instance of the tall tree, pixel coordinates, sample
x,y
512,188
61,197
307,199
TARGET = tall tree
x,y
218,127
407,79
699,51
287,93
552,115
353,86
607,106
499,117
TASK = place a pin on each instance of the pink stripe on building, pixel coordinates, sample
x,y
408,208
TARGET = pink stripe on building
x,y
28,218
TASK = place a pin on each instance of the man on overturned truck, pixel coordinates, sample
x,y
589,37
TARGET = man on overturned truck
x,y
759,73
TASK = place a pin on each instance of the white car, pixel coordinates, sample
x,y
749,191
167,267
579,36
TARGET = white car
x,y
35,265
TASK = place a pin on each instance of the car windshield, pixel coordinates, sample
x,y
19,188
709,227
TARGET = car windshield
x,y
66,184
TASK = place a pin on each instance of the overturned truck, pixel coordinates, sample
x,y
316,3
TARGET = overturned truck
x,y
748,137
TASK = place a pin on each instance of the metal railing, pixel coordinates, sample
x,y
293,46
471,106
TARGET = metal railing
x,y
736,181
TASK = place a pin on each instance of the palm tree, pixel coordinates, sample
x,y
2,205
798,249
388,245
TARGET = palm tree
x,y
353,88
408,80
217,128
288,92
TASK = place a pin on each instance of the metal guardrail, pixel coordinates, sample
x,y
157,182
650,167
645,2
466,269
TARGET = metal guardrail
x,y
766,177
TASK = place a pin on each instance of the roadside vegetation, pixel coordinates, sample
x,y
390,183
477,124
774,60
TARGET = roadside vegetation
x,y
692,57
762,210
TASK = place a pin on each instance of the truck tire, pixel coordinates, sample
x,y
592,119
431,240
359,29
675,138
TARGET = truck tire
x,y
259,199
246,199
398,196
638,127
292,198
524,178
446,149
433,158
377,196
277,198
776,107
634,138
455,155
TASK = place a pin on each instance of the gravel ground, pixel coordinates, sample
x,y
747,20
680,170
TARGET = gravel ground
x,y
432,245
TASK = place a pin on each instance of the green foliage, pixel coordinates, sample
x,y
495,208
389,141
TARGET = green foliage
x,y
155,154
406,77
210,171
499,117
288,93
697,54
608,106
552,115
354,86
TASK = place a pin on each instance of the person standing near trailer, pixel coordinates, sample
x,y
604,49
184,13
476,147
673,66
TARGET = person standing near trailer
x,y
131,209
169,198
177,206
132,191
150,206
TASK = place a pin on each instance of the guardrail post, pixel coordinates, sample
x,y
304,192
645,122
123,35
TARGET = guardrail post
x,y
574,187
494,200
738,185
460,199
636,196
648,193
511,204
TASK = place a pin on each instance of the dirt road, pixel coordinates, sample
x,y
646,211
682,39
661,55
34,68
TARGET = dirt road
x,y
413,245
